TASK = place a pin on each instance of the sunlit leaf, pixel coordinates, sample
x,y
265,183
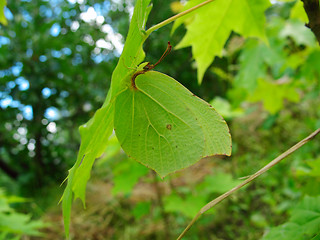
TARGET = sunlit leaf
x,y
3,19
186,19
176,6
298,12
212,25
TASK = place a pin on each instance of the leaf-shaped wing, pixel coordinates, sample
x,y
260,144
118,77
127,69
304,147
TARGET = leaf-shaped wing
x,y
165,127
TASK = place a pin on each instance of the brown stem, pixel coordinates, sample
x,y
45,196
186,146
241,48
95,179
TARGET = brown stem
x,y
312,9
251,178
161,205
149,67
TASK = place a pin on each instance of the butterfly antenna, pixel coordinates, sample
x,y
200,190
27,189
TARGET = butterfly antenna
x,y
168,50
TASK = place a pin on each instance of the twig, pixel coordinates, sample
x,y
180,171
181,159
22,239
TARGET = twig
x,y
251,178
175,17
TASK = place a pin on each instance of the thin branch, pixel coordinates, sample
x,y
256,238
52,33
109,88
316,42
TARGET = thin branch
x,y
311,7
175,17
251,178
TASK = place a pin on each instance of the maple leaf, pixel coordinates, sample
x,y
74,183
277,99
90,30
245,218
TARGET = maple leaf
x,y
213,24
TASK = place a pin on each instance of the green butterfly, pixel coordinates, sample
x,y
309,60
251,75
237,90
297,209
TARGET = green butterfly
x,y
162,125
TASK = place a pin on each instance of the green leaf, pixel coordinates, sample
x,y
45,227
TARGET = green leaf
x,y
14,223
303,224
218,183
207,36
225,109
165,127
19,223
307,215
141,209
252,65
188,18
113,149
254,59
188,206
297,59
126,175
298,12
298,32
95,133
94,137
315,168
311,68
3,19
272,95
313,171
132,54
287,231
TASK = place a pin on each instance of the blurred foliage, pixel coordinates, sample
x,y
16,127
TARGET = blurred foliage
x,y
53,67
304,222
13,224
268,92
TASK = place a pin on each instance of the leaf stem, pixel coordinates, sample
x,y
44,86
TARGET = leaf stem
x,y
175,17
251,178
